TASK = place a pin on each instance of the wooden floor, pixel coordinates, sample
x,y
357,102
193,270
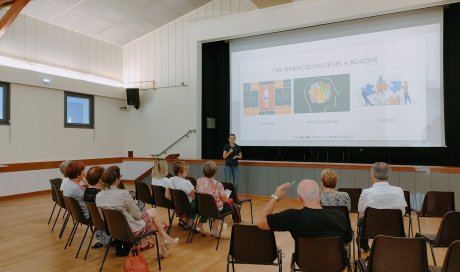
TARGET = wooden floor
x,y
28,244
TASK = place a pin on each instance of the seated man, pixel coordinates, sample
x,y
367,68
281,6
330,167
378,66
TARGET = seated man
x,y
380,196
310,221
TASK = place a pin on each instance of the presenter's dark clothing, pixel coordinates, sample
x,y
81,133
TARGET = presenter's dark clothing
x,y
308,222
90,194
229,161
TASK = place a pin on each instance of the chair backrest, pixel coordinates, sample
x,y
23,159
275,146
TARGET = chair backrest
x,y
383,222
398,254
143,192
96,218
251,245
118,225
75,210
354,194
181,202
342,209
437,204
320,254
234,194
192,180
452,259
59,197
160,199
206,205
449,229
407,198
56,182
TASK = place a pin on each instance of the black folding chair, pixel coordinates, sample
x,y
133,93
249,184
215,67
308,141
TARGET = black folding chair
x,y
79,219
56,182
163,202
143,193
236,199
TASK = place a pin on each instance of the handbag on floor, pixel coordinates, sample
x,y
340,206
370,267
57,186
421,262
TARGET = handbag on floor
x,y
135,261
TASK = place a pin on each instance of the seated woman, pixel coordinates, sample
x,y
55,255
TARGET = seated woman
x,y
140,221
159,173
208,185
178,182
329,196
75,171
95,185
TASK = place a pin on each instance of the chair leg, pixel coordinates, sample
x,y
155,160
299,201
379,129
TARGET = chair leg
x,y
418,221
191,232
158,252
52,212
64,225
90,242
74,228
105,255
82,240
73,236
56,218
220,232
411,230
171,219
432,254
250,205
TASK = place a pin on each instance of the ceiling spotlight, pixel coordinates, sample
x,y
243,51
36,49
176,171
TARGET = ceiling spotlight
x,y
46,80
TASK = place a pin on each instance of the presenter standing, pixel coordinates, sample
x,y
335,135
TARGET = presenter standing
x,y
231,155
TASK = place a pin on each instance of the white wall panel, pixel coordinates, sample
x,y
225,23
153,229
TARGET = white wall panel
x,y
41,42
164,56
171,54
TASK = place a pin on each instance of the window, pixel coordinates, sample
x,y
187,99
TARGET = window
x,y
79,110
4,103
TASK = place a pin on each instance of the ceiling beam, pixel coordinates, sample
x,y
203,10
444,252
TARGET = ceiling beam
x,y
15,8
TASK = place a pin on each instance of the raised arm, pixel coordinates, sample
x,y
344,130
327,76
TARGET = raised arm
x,y
261,220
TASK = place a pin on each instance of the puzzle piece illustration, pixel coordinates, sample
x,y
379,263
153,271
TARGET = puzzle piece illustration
x,y
395,86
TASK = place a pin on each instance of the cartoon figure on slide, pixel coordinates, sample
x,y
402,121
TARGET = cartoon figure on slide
x,y
406,93
266,97
365,95
320,95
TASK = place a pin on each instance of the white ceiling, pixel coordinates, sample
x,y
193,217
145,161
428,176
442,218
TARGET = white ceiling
x,y
115,21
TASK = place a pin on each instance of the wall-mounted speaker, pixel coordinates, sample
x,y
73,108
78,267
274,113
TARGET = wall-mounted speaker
x,y
132,95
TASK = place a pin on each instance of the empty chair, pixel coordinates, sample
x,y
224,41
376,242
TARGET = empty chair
x,y
409,213
96,220
207,207
354,194
435,204
236,199
451,261
396,254
143,193
56,182
325,254
163,202
448,231
79,219
182,205
119,229
251,245
376,222
344,210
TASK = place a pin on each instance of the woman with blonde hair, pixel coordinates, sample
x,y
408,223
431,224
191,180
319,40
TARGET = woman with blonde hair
x,y
329,196
159,173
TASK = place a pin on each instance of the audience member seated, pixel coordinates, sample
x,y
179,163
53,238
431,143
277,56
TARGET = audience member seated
x,y
329,196
208,185
139,219
178,182
95,185
75,171
159,173
310,221
381,195
62,167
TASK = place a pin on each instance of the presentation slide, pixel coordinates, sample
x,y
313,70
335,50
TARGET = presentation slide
x,y
382,88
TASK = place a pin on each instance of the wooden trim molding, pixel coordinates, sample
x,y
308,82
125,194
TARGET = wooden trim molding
x,y
24,195
28,166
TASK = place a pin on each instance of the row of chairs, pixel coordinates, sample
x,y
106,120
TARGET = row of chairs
x,y
113,222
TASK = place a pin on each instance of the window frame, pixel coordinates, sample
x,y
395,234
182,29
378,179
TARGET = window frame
x,y
6,104
91,109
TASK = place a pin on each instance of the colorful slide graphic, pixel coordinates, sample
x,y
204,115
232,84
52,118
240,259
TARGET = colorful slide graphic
x,y
322,94
267,97
382,94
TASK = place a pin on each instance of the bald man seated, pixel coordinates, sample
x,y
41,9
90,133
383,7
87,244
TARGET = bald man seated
x,y
310,221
